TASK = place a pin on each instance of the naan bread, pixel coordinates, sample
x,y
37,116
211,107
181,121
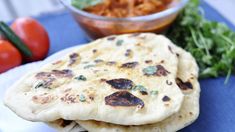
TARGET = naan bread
x,y
114,79
187,80
187,70
66,126
188,74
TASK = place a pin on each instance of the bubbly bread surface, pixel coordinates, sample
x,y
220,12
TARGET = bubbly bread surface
x,y
126,79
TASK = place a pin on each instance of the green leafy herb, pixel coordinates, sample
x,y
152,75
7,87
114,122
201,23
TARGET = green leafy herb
x,y
39,84
88,66
81,77
42,84
140,88
81,4
82,98
119,42
154,92
211,43
150,70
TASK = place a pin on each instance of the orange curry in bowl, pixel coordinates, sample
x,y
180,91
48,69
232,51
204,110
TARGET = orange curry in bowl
x,y
110,17
128,8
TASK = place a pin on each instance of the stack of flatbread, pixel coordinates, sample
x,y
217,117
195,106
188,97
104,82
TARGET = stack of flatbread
x,y
126,83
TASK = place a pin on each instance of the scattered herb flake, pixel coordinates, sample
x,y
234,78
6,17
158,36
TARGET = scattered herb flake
x,y
81,77
111,63
141,89
150,70
43,84
85,62
154,92
88,66
119,42
39,84
82,98
98,60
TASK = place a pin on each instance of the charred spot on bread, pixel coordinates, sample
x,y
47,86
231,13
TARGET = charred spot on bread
x,y
123,98
49,77
161,71
54,73
111,38
170,49
110,63
73,58
94,51
64,123
129,65
62,73
184,85
128,52
120,83
148,61
166,99
135,34
158,70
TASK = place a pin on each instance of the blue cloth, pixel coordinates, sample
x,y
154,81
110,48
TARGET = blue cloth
x,y
217,103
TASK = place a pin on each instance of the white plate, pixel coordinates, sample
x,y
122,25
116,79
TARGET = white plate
x,y
9,121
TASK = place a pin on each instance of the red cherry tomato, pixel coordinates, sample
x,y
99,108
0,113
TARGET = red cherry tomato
x,y
33,34
9,56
